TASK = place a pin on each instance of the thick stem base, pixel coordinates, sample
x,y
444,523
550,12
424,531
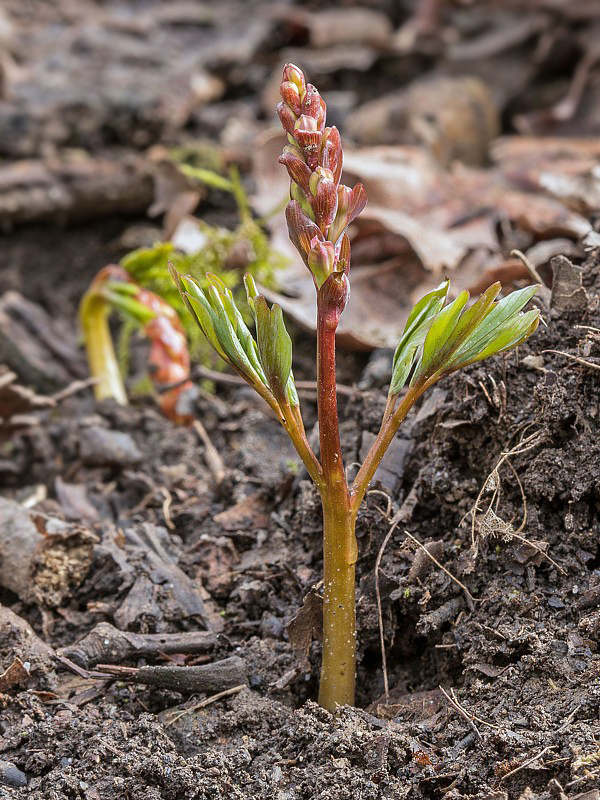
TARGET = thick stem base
x,y
339,616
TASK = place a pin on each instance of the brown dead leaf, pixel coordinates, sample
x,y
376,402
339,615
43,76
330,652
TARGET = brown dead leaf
x,y
453,118
428,223
16,673
74,501
332,27
217,558
15,399
249,513
530,553
175,195
305,626
508,272
488,669
438,251
418,706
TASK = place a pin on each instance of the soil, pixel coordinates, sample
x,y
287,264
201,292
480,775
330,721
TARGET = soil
x,y
492,651
516,649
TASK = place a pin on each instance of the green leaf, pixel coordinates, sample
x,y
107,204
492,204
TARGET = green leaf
x,y
502,312
274,346
243,334
146,259
201,311
439,337
292,394
512,333
128,305
251,292
227,337
206,176
415,331
473,316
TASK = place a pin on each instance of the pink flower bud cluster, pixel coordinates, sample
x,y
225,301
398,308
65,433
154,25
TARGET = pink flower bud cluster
x,y
320,208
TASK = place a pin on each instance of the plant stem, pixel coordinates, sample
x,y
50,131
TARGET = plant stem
x,y
339,616
339,541
295,429
100,350
388,430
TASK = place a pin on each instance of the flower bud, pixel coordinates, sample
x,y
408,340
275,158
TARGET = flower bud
x,y
297,194
293,74
313,106
319,176
306,124
324,191
291,96
309,139
350,203
343,255
296,167
321,260
332,298
331,152
287,118
301,228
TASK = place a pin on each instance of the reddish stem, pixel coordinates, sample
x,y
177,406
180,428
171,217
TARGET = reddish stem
x,y
339,541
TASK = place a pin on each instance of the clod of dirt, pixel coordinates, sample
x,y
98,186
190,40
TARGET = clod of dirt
x,y
18,641
568,293
43,559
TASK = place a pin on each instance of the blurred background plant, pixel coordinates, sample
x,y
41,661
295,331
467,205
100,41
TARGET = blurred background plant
x,y
195,247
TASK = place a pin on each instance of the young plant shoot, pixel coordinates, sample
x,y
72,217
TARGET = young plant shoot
x,y
438,339
169,362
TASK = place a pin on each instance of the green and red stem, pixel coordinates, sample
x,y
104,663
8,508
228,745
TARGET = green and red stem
x,y
339,540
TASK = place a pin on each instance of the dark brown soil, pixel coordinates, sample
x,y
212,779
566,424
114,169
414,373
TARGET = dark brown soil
x,y
520,657
492,663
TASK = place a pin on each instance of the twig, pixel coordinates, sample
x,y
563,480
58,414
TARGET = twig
x,y
587,328
568,720
166,508
206,702
523,498
522,447
539,550
460,710
574,358
212,677
107,642
393,527
443,568
388,511
467,715
214,462
528,266
528,762
74,388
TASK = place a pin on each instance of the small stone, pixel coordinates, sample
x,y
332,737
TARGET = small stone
x,y
11,776
378,371
533,362
101,447
391,469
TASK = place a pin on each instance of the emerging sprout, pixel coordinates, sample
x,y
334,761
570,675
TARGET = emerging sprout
x,y
169,362
437,340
